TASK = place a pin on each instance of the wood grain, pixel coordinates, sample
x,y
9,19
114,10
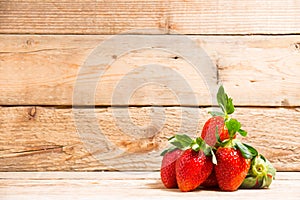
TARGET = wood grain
x,y
255,70
174,16
43,139
124,185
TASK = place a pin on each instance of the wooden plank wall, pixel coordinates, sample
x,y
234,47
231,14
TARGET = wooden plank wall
x,y
253,45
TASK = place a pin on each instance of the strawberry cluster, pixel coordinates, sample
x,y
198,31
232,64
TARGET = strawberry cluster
x,y
216,158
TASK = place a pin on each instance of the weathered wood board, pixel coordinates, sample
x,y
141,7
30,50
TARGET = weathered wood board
x,y
255,70
40,138
127,185
251,47
115,16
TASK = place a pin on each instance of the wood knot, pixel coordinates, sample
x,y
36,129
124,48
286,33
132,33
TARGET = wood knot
x,y
29,42
285,102
297,46
32,113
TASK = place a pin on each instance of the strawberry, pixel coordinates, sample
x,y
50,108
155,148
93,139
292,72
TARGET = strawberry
x,y
214,128
231,169
189,163
260,175
211,181
167,170
192,169
233,158
211,126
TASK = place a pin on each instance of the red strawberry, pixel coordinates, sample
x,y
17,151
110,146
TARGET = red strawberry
x,y
192,169
218,121
231,169
211,181
233,158
209,130
167,171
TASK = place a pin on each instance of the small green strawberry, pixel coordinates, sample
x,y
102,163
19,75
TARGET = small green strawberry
x,y
261,173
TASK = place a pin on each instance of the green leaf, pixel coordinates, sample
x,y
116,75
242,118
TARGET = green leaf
x,y
262,157
243,132
168,150
224,102
233,126
207,150
171,138
184,139
252,150
181,141
199,144
222,98
229,106
216,113
164,152
244,150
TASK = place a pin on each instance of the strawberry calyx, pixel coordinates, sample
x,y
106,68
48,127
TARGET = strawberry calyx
x,y
181,142
233,127
184,142
260,175
246,150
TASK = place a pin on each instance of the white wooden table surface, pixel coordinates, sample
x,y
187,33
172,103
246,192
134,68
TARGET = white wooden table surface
x,y
126,185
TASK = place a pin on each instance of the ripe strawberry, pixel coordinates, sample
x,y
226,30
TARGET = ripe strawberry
x,y
209,130
215,129
211,181
233,157
236,164
167,170
192,169
231,169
